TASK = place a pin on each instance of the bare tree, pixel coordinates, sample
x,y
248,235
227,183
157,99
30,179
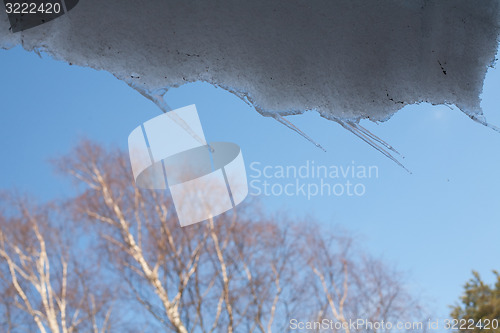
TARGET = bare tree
x,y
241,272
63,266
45,284
350,285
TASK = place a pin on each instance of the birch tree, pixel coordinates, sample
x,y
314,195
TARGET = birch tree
x,y
46,286
243,271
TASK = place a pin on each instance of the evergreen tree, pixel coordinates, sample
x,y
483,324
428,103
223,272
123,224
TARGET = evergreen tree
x,y
479,307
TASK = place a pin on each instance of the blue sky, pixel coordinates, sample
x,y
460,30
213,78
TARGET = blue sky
x,y
436,224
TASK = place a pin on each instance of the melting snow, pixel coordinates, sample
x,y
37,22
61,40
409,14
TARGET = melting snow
x,y
347,59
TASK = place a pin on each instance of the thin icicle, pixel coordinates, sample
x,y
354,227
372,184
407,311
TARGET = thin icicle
x,y
374,137
481,120
288,124
378,144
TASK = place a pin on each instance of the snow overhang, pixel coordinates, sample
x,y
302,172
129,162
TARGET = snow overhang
x,y
347,59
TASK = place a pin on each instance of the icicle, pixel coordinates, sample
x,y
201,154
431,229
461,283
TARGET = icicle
x,y
371,139
158,97
482,120
356,129
288,124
